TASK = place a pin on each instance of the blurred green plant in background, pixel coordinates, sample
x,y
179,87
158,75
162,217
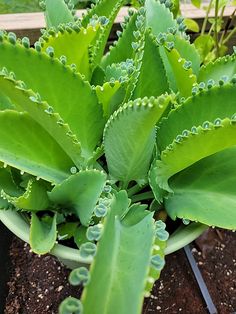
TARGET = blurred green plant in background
x,y
16,6
211,42
12,6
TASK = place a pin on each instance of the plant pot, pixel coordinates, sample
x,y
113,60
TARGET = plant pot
x,y
71,257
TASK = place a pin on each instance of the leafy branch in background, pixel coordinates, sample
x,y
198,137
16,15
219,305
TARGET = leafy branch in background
x,y
212,43
24,6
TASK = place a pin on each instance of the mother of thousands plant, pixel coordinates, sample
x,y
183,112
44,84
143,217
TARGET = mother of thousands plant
x,y
94,146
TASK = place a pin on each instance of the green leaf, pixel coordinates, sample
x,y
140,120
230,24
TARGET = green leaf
x,y
42,234
57,12
80,236
182,72
225,66
74,44
8,185
197,3
5,103
41,112
123,256
121,51
152,70
110,10
186,51
158,17
186,150
65,91
205,106
175,9
102,8
67,230
206,191
191,25
33,199
25,145
204,45
110,96
132,128
80,193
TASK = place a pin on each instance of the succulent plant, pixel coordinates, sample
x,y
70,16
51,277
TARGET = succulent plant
x,y
93,146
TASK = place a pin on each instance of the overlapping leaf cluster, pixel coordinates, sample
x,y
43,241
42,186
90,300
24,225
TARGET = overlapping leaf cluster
x,y
85,135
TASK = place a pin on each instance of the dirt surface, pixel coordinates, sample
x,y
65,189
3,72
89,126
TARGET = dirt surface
x,y
39,284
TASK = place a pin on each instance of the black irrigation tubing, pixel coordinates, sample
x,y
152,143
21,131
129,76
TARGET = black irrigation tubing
x,y
201,283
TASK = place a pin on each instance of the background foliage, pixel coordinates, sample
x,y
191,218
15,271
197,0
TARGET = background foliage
x,y
16,6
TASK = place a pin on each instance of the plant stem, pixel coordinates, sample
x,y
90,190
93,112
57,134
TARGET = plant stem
x,y
142,196
221,18
229,36
210,30
135,189
206,18
215,29
227,26
123,185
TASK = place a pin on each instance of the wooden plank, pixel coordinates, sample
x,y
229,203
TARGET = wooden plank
x,y
190,11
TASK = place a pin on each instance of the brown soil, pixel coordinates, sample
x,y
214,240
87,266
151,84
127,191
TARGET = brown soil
x,y
39,284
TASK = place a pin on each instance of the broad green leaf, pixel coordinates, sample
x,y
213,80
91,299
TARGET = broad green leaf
x,y
204,45
206,191
57,12
186,51
41,112
80,193
158,17
67,230
98,76
205,106
65,91
152,80
42,234
191,25
222,50
74,44
123,256
5,102
33,199
197,3
109,9
175,9
194,146
225,66
102,8
110,96
132,128
25,145
8,185
80,236
182,72
121,51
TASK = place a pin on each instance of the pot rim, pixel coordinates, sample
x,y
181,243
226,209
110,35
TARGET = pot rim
x,y
177,240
